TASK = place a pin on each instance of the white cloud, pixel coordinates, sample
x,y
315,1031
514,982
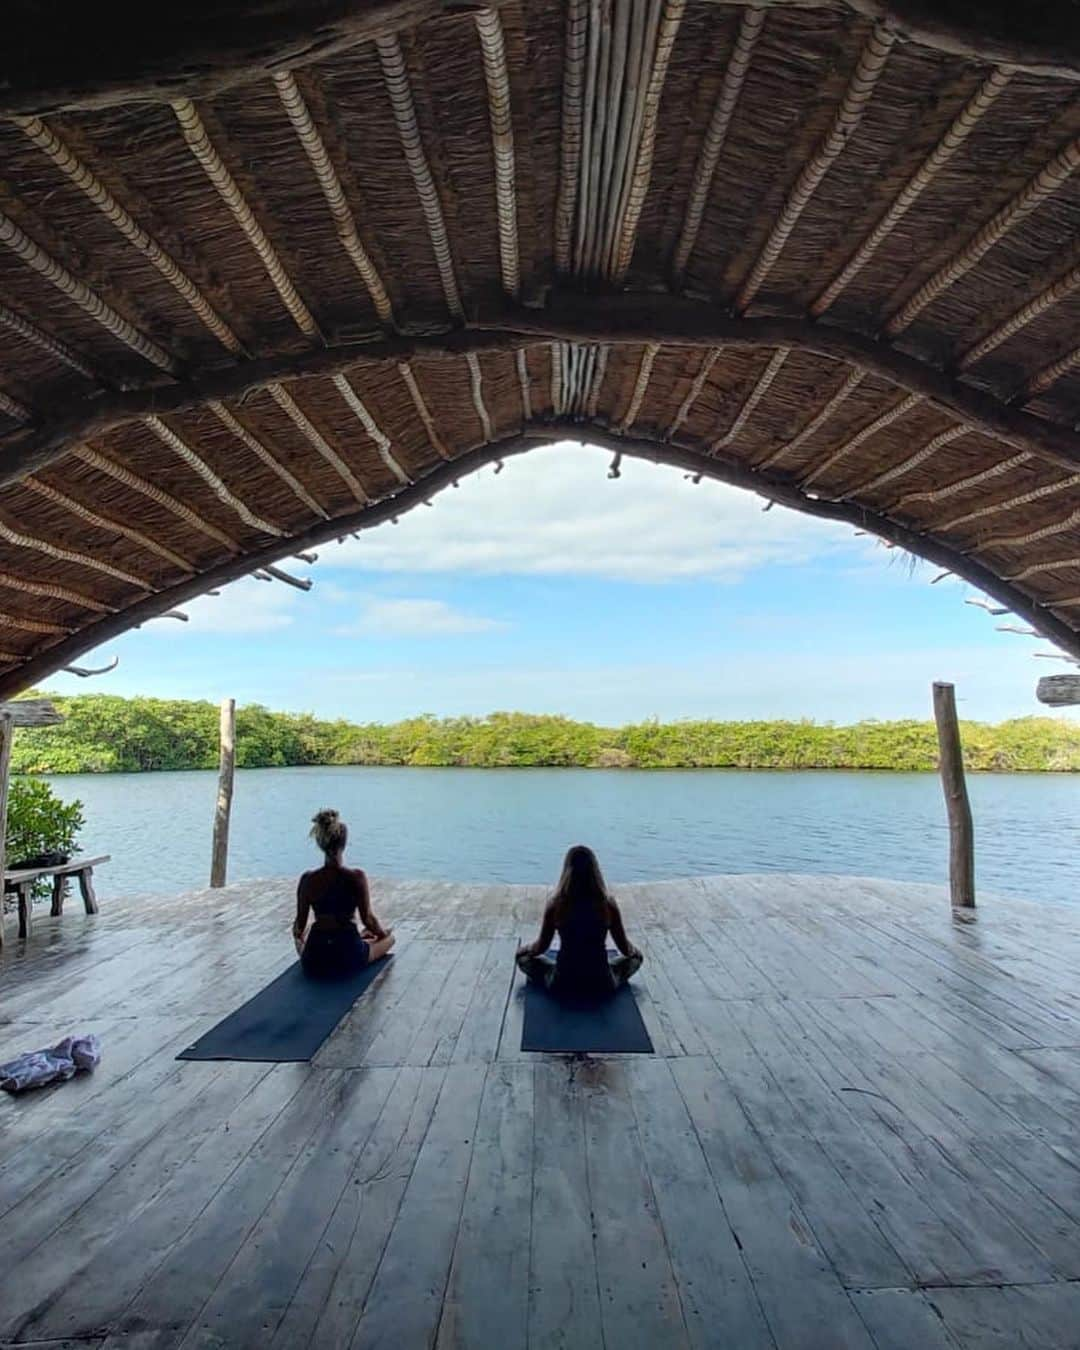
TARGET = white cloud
x,y
553,512
246,606
415,618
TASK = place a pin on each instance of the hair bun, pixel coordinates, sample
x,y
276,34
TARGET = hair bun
x,y
328,830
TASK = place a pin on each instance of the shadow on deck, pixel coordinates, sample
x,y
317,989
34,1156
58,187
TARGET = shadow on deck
x,y
859,1130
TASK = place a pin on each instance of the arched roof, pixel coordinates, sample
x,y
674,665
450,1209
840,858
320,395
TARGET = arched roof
x,y
285,270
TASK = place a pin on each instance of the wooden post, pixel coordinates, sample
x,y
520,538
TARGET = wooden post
x,y
961,832
220,856
86,889
1059,691
7,733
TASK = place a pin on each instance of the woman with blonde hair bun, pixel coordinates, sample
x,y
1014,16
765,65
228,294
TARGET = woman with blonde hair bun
x,y
344,935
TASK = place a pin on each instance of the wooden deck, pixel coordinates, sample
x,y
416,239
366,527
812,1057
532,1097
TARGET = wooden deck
x,y
861,1129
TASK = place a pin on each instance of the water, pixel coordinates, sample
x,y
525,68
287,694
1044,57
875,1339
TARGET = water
x,y
514,824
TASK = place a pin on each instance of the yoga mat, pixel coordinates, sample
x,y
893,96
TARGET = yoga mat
x,y
287,1021
612,1026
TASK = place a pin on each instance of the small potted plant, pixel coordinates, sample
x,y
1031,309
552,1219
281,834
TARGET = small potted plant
x,y
42,830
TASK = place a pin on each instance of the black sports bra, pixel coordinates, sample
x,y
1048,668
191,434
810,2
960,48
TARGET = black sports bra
x,y
337,897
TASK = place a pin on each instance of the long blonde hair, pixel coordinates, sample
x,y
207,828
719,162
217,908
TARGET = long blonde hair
x,y
329,831
581,883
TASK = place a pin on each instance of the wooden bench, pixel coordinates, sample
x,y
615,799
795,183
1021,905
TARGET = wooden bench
x,y
21,879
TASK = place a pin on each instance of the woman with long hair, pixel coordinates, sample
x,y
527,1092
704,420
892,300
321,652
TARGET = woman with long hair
x,y
583,914
344,935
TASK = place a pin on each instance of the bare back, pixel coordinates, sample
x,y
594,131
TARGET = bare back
x,y
335,895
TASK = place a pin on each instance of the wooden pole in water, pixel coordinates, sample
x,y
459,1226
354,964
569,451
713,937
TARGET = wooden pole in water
x,y
7,733
961,831
220,856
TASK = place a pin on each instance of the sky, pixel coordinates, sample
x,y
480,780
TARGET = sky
x,y
550,588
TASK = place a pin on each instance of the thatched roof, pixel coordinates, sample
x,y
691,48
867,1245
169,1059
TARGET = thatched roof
x,y
272,275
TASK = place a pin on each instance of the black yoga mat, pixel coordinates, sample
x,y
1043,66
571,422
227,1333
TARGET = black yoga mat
x,y
612,1026
287,1021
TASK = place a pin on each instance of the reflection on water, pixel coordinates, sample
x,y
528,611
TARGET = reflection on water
x,y
514,824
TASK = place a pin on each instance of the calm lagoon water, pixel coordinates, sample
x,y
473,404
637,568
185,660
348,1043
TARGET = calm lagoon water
x,y
510,825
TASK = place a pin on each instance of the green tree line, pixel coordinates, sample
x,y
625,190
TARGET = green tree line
x,y
103,733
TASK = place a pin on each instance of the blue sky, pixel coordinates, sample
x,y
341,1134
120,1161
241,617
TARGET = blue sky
x,y
550,588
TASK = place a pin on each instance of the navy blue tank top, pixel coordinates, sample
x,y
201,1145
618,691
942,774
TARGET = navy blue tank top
x,y
581,966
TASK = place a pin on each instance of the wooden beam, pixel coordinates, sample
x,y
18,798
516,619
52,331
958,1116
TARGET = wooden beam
x,y
395,70
1041,38
691,459
219,857
623,320
1059,691
750,27
94,56
857,97
98,56
31,712
950,143
7,732
673,321
961,831
500,114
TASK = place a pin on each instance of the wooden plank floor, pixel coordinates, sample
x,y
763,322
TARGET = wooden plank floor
x,y
861,1129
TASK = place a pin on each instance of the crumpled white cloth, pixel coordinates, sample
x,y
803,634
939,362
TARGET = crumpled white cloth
x,y
36,1068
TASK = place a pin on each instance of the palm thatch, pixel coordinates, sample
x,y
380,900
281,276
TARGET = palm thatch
x,y
285,271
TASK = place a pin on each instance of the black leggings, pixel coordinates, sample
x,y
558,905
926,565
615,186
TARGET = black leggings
x,y
541,969
330,953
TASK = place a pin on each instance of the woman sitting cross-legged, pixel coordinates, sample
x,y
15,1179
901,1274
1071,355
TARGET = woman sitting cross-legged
x,y
582,913
345,934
